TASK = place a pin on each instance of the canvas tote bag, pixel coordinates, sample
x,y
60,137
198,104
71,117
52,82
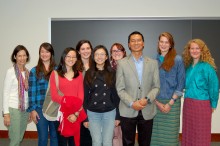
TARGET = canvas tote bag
x,y
50,108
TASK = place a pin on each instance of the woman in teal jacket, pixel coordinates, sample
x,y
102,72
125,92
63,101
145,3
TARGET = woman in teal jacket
x,y
201,94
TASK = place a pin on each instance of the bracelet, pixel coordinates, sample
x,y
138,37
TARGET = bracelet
x,y
173,99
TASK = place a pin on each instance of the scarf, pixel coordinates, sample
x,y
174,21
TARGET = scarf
x,y
22,86
114,64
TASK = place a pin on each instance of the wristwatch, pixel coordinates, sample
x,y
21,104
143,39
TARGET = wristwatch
x,y
173,99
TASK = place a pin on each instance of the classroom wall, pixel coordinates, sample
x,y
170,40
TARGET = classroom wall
x,y
28,23
109,31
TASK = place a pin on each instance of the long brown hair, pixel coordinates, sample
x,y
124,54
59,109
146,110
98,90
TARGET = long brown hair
x,y
169,59
40,68
108,72
79,59
61,69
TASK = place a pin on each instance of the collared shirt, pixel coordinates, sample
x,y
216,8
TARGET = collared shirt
x,y
139,67
202,83
37,90
173,81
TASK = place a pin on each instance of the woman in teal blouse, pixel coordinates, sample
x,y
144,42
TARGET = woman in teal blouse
x,y
201,94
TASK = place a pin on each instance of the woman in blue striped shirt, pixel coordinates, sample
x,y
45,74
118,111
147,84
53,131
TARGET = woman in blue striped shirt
x,y
38,82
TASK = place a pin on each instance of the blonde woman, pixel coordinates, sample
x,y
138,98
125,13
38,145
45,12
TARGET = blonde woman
x,y
201,94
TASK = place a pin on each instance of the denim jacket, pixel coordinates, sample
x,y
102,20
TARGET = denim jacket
x,y
173,81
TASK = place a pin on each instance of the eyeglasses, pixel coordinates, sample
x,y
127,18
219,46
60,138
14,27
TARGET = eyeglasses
x,y
70,57
101,55
116,51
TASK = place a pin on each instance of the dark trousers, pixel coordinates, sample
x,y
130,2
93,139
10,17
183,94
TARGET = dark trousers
x,y
144,128
64,141
85,137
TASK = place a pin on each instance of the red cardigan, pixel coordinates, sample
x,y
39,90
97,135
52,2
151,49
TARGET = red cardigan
x,y
70,105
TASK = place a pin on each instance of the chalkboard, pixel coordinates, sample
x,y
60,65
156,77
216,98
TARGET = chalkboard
x,y
66,33
209,31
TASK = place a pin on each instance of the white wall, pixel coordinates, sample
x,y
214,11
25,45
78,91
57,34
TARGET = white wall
x,y
27,23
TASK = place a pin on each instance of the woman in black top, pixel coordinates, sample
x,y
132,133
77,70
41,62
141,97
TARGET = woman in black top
x,y
101,98
84,49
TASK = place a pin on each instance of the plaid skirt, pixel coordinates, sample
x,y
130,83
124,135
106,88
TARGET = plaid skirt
x,y
196,128
166,126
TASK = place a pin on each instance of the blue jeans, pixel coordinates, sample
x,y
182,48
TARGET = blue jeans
x,y
101,126
42,130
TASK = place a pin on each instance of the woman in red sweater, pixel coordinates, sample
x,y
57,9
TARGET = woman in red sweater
x,y
71,85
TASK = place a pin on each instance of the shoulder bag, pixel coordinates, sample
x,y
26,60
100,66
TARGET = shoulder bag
x,y
50,108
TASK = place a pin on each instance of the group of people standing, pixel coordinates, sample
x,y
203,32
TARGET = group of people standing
x,y
139,93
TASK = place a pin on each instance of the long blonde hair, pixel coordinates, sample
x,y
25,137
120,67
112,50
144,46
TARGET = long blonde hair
x,y
205,53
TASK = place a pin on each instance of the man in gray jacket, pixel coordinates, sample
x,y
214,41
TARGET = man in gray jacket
x,y
137,83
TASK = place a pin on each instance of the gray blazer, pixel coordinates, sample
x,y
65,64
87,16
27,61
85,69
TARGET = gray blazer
x,y
129,88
